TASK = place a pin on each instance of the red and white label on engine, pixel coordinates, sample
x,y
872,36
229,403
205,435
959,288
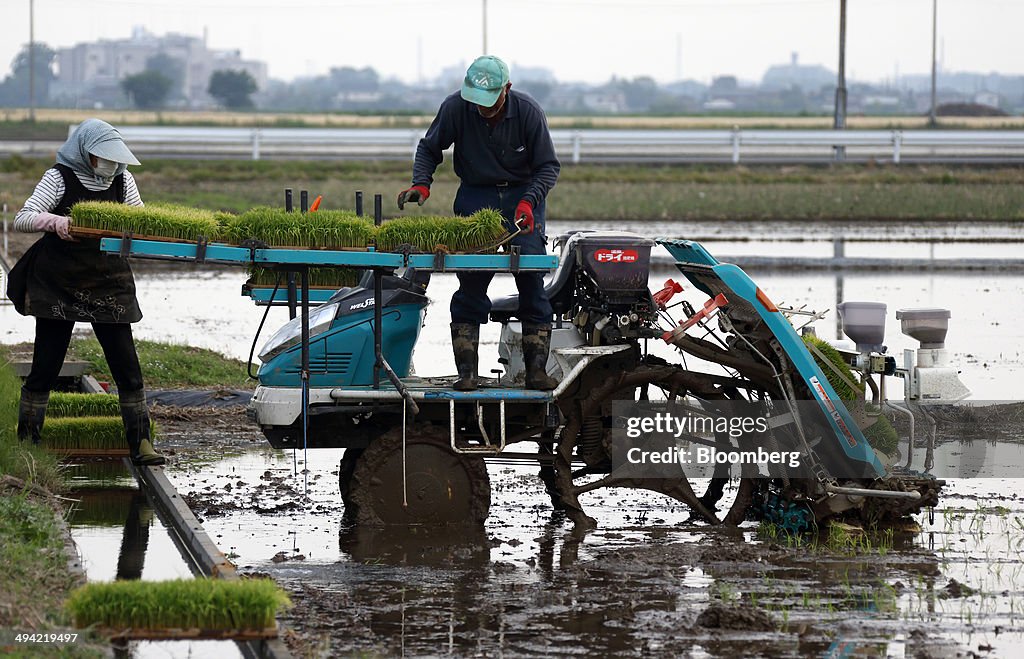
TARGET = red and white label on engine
x,y
832,411
616,256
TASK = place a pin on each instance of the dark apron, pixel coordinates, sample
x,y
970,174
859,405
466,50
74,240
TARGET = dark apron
x,y
60,279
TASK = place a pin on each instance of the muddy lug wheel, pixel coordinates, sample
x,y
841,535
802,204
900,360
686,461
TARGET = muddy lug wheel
x,y
345,469
441,487
668,378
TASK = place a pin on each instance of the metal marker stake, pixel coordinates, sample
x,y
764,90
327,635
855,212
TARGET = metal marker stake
x,y
305,378
290,277
378,286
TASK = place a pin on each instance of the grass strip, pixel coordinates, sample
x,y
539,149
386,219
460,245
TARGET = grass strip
x,y
67,404
457,234
157,219
880,435
21,459
35,573
318,277
324,229
86,432
169,366
250,604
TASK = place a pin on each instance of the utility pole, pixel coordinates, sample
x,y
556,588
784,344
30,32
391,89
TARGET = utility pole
x,y
932,112
840,117
485,28
31,61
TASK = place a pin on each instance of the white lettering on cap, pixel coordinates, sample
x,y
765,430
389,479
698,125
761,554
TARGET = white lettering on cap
x,y
484,81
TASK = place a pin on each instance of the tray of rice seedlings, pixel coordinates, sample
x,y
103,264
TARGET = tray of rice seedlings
x,y
181,608
87,435
481,231
335,230
319,278
880,435
63,403
163,222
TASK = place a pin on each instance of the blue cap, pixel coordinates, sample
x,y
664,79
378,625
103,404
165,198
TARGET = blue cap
x,y
485,79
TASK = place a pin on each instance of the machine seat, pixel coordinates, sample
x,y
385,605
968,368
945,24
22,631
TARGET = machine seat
x,y
560,292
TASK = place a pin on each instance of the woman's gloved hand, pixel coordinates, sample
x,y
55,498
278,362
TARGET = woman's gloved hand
x,y
57,224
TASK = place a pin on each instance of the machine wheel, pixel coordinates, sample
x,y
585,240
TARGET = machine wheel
x,y
441,487
571,484
345,469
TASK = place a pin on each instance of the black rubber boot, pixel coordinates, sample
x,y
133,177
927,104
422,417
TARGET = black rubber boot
x,y
465,345
536,344
135,415
31,414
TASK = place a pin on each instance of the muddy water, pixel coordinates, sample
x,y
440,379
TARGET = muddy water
x,y
638,585
119,536
646,582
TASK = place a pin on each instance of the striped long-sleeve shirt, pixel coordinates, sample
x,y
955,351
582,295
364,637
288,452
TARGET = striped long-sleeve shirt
x,y
50,190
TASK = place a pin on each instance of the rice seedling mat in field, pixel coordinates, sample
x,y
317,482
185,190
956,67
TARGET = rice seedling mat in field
x,y
180,608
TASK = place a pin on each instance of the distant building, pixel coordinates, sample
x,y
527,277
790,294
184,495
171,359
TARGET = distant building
x,y
90,74
809,78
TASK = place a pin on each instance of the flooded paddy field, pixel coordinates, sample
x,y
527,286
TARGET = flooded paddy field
x,y
647,581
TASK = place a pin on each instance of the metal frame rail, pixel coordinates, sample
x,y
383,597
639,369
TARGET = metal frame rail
x,y
197,549
298,261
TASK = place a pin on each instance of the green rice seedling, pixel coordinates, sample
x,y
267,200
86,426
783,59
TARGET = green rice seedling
x,y
91,433
158,220
320,230
428,233
206,604
66,404
333,278
880,435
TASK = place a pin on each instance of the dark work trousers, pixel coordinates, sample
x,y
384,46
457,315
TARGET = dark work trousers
x,y
52,339
470,303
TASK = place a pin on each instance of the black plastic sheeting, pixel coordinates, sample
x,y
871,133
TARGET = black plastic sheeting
x,y
192,398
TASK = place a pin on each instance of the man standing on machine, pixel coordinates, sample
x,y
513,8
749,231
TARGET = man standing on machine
x,y
505,160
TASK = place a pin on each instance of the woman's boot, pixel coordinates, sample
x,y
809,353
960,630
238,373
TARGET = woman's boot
x,y
135,415
31,414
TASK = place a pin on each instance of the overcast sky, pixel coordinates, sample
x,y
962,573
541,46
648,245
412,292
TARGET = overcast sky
x,y
585,40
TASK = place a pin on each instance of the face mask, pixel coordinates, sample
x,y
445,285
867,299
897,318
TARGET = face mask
x,y
105,168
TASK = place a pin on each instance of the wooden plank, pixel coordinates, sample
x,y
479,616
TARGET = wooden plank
x,y
90,232
192,634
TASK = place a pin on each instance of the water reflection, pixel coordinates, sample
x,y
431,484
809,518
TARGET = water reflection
x,y
423,546
135,539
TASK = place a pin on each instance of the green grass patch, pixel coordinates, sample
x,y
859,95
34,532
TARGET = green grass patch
x,y
21,459
35,572
65,404
591,192
157,219
457,234
323,229
880,435
169,366
210,604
